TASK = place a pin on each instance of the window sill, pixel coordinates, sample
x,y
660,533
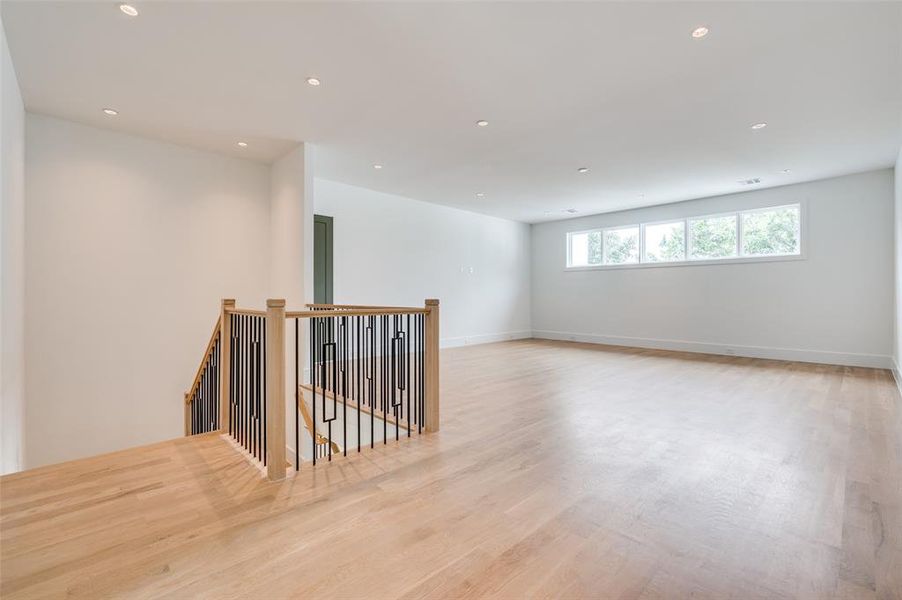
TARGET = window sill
x,y
691,263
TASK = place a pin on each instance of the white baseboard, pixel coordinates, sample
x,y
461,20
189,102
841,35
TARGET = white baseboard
x,y
877,361
897,375
486,338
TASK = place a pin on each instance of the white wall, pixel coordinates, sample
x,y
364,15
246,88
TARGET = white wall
x,y
12,265
391,250
834,306
130,244
291,249
897,346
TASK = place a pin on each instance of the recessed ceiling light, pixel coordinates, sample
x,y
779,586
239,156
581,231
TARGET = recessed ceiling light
x,y
313,81
242,144
759,125
786,171
480,195
482,123
129,10
377,166
570,210
583,170
110,111
751,181
700,32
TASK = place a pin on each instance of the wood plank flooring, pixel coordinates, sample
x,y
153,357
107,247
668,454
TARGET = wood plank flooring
x,y
562,470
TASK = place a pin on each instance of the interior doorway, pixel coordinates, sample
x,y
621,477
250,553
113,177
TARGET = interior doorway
x,y
322,259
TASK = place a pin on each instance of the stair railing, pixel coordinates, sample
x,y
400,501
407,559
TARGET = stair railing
x,y
377,364
202,410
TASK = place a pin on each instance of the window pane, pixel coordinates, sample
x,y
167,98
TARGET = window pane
x,y
771,232
621,246
664,242
585,249
712,237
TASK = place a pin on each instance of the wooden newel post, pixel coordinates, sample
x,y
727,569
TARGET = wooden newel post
x,y
187,416
275,389
225,362
432,365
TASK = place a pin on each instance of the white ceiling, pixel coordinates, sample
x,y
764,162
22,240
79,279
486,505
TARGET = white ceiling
x,y
620,88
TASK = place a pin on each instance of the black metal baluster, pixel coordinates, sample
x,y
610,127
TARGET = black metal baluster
x,y
239,378
255,387
231,368
261,378
371,378
314,341
358,320
385,356
244,380
264,400
396,388
239,396
343,329
297,360
407,369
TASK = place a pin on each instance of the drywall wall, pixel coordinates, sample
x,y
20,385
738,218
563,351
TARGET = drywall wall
x,y
833,306
12,266
130,244
897,230
291,249
391,250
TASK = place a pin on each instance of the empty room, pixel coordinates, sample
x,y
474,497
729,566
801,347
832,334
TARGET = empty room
x,y
423,299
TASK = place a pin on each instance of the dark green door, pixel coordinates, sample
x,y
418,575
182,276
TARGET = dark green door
x,y
322,259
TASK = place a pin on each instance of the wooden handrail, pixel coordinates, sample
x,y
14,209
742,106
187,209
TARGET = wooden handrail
x,y
307,314
308,422
245,311
361,307
203,362
346,310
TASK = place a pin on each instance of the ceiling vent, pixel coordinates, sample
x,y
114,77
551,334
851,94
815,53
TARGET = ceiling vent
x,y
749,181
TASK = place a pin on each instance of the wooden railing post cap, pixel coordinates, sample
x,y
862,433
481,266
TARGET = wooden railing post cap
x,y
228,302
275,303
432,302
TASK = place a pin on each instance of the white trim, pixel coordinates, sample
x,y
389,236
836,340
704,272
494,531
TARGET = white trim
x,y
485,338
897,375
693,263
643,255
877,361
604,230
802,205
690,238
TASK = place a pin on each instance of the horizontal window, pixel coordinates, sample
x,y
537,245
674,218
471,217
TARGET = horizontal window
x,y
621,246
771,232
759,233
665,242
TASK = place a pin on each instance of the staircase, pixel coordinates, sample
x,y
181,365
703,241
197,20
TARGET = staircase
x,y
360,375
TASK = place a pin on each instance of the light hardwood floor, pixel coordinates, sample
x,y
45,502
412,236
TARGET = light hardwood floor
x,y
562,470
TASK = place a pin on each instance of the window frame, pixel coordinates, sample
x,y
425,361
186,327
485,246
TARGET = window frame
x,y
642,227
750,211
738,259
570,234
737,215
604,230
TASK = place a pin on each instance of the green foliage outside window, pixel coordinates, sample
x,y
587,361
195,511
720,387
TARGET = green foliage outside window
x,y
771,232
621,246
713,237
670,239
